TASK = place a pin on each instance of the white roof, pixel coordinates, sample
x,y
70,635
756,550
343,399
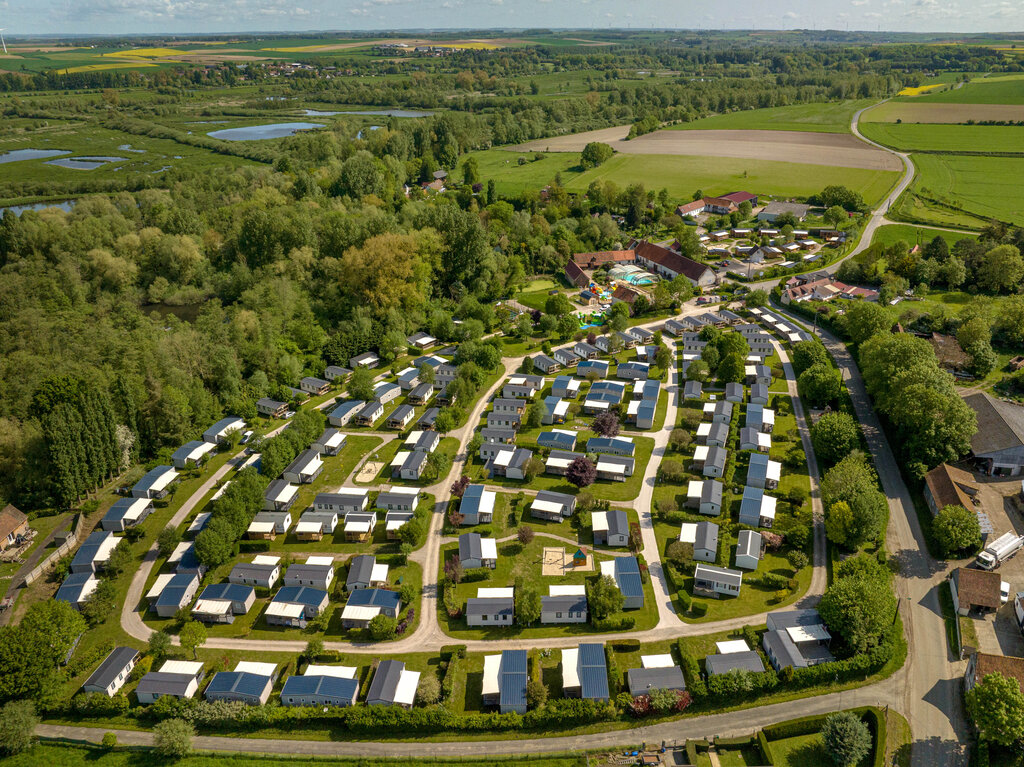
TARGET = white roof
x,y
263,527
596,404
199,450
749,370
355,524
551,506
315,560
657,661
492,664
695,488
359,613
562,407
488,548
212,606
379,573
191,667
311,464
700,453
158,585
405,693
199,521
339,672
285,609
266,559
220,491
334,440
161,482
709,407
504,456
774,470
732,646
610,468
633,407
599,520
559,462
688,532
254,667
568,590
136,507
400,457
177,554
411,491
703,430
814,633
308,527
504,592
284,493
608,568
570,667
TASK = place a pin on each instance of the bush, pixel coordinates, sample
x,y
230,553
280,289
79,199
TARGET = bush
x,y
429,690
109,740
847,739
383,627
691,671
18,722
173,738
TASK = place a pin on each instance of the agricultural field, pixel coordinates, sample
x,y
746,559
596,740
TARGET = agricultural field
x,y
985,187
825,117
947,138
916,110
1002,91
893,233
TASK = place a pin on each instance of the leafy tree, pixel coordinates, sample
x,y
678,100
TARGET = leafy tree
x,y
444,422
835,215
159,645
566,325
172,738
558,305
536,693
698,370
460,485
604,597
606,424
956,529
527,605
846,737
100,604
996,706
756,299
858,609
819,385
732,368
679,439
525,534
594,154
383,627
842,196
166,541
192,636
864,319
429,690
360,384
18,723
534,416
120,558
1001,269
581,472
314,649
807,353
834,435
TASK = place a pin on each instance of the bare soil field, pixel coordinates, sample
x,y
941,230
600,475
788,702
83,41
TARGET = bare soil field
x,y
835,149
909,112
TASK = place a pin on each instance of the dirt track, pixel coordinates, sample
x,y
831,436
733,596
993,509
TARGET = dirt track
x,y
786,146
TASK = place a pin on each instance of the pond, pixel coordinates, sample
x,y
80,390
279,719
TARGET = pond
x,y
31,154
262,132
17,210
84,163
371,112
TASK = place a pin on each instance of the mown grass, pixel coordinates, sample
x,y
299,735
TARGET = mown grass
x,y
825,117
915,235
980,92
985,187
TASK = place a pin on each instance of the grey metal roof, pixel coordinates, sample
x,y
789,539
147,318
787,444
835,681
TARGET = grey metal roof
x,y
329,687
387,498
471,499
565,454
428,417
618,522
422,391
252,570
745,661
490,606
415,461
307,572
370,408
498,434
545,360
385,681
185,450
556,439
151,477
707,537
512,678
344,408
401,413
470,546
593,673
275,487
716,457
733,389
302,460
791,618
1000,424
360,569
718,574
164,683
564,604
90,548
711,492
759,390
693,389
106,673
383,598
748,542
783,650
601,366
643,680
551,495
301,595
627,577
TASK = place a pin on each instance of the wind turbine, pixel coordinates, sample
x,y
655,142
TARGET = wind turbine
x,y
2,40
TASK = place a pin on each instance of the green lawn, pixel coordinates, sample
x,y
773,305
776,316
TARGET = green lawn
x,y
825,117
801,751
936,137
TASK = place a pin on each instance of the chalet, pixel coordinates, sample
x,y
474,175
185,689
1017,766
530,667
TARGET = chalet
x,y
306,467
564,604
171,593
426,421
625,571
734,392
545,364
267,525
796,639
155,483
421,394
367,360
761,418
221,602
585,672
641,413
321,686
364,605
77,588
336,373
359,526
421,340
758,374
175,679
340,416
633,371
710,461
400,417
476,552
315,387
522,386
393,685
125,513
564,357
510,463
611,528
422,441
947,485
658,677
341,502
412,466
220,432
759,394
763,472
552,506
111,675
509,405
398,499
749,546
705,496
752,439
249,683
558,439
477,505
592,368
271,408
330,442
703,536
364,572
555,410
394,521
314,525
491,607
565,386
558,461
408,379
95,551
294,606
609,344
262,572
504,681
719,412
675,328
586,351
370,413
712,581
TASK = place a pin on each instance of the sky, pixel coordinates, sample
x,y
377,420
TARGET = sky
x,y
120,17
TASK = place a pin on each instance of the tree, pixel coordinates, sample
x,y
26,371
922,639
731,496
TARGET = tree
x,y
819,385
360,384
842,196
755,299
159,645
956,530
732,368
833,436
525,534
858,609
835,215
581,472
534,416
527,605
698,370
604,598
566,325
192,637
444,422
120,558
536,693
429,690
438,464
383,627
594,154
807,353
996,706
864,319
172,738
847,739
1001,269
314,649
18,723
606,424
166,541
460,485
557,305
679,439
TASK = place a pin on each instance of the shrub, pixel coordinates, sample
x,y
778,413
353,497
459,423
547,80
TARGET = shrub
x,y
109,740
18,722
429,690
173,738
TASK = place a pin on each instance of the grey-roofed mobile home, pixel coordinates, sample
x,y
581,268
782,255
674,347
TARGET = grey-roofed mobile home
x,y
113,672
392,684
330,442
734,392
271,408
94,552
732,661
611,445
611,528
385,392
253,689
421,394
763,472
568,608
759,394
370,413
336,373
218,432
155,483
705,496
546,364
566,357
558,439
643,680
748,549
477,505
263,572
714,463
125,513
412,468
476,551
633,371
552,506
508,405
598,367
426,421
317,576
177,593
360,572
319,690
705,544
175,678
279,495
345,412
490,611
401,416
712,581
342,502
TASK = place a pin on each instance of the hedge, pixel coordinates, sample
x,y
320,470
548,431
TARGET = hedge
x,y
766,749
691,672
448,681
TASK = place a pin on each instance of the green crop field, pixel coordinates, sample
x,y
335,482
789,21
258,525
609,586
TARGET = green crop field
x,y
892,233
987,187
827,117
980,92
947,138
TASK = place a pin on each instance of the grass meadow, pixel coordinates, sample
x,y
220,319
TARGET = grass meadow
x,y
932,137
984,187
825,117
